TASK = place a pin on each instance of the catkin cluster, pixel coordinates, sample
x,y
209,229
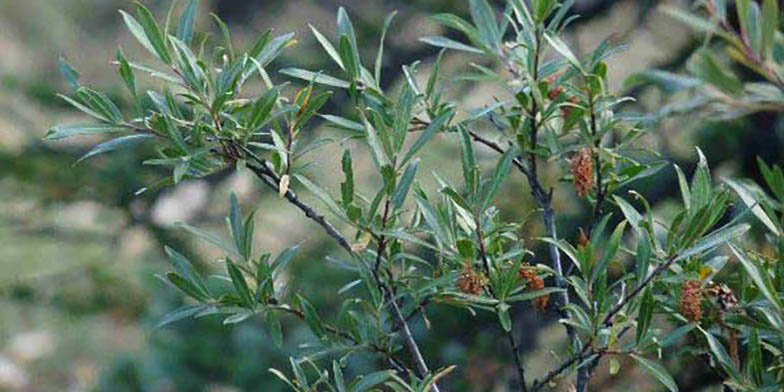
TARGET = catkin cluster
x,y
691,296
582,171
469,282
535,283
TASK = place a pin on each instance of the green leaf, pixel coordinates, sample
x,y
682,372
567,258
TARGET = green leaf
x,y
185,286
760,278
560,46
426,135
527,296
274,48
283,260
503,316
337,374
328,47
443,42
630,213
718,237
721,355
116,144
405,183
468,158
240,285
643,257
499,174
225,33
658,371
770,24
343,123
235,222
126,72
311,317
153,33
274,328
180,313
754,364
347,187
315,77
138,32
706,67
322,195
65,131
751,201
209,237
188,22
684,185
610,250
185,269
100,103
380,56
70,74
377,151
645,315
484,19
371,380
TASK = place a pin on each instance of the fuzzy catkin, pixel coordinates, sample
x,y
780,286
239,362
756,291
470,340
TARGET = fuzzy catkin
x,y
582,171
469,281
535,283
691,296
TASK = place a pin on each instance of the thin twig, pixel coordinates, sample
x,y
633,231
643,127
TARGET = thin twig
x,y
510,335
271,179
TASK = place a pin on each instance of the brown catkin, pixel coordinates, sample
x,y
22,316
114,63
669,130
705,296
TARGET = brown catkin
x,y
691,296
582,170
734,347
566,110
469,281
582,239
535,283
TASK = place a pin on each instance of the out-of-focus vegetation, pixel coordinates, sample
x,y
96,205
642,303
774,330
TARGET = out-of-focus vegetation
x,y
79,248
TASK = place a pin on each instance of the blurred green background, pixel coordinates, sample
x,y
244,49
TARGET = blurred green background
x,y
78,250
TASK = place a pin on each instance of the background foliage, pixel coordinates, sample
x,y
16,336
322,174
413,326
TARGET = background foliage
x,y
79,300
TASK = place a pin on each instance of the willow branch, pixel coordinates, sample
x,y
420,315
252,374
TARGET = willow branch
x,y
271,179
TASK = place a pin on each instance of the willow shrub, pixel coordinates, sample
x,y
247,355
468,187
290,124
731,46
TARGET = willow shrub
x,y
412,247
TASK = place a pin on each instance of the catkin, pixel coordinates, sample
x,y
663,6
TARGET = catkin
x,y
582,171
535,283
691,296
469,281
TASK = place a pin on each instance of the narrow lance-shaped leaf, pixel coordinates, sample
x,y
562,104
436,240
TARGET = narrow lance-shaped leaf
x,y
65,131
315,77
185,269
380,56
721,355
448,43
188,22
500,173
347,187
116,144
485,21
311,317
240,285
405,183
658,371
153,33
426,135
70,74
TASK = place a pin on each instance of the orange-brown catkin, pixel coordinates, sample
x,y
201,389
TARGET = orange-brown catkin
x,y
691,295
469,281
535,283
582,170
